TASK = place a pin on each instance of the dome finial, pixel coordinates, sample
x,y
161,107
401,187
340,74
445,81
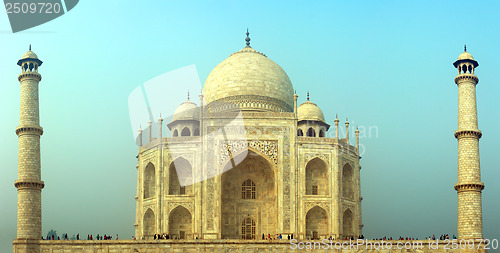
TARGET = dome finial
x,y
247,39
30,47
465,48
308,96
188,94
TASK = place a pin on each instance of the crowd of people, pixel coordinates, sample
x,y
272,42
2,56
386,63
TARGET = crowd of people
x,y
264,237
89,237
441,237
433,237
101,237
277,237
164,237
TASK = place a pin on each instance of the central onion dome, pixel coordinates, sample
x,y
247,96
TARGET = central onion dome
x,y
250,81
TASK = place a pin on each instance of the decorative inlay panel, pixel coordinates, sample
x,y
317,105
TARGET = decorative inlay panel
x,y
310,204
187,205
324,157
230,148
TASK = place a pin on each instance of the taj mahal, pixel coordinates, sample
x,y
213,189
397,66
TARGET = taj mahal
x,y
243,161
249,162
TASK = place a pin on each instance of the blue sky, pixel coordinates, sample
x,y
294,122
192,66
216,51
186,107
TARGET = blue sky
x,y
385,64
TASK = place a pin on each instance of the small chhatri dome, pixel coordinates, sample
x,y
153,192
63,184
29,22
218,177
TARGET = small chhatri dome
x,y
30,55
250,81
186,111
465,57
309,111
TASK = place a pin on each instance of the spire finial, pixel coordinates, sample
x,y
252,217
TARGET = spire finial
x,y
465,48
247,39
308,96
188,94
336,116
30,47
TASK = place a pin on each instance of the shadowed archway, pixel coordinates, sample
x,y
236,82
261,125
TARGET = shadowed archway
x,y
180,223
317,181
149,181
316,223
148,224
347,223
180,177
248,190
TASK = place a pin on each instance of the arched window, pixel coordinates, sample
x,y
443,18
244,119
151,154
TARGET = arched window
x,y
248,189
347,182
148,224
316,223
347,225
180,177
185,132
196,132
311,132
248,229
175,134
321,133
470,69
149,181
180,223
317,182
300,133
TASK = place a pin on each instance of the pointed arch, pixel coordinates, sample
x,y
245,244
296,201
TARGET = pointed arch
x,y
240,155
316,223
149,184
180,177
196,132
348,223
185,132
321,133
311,132
347,181
317,177
264,208
176,133
148,224
300,132
180,223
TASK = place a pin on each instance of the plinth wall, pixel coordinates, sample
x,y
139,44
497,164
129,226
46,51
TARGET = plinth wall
x,y
159,246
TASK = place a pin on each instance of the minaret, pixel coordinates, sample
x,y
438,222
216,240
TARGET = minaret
x,y
140,136
150,124
347,130
469,185
160,128
336,127
295,96
357,138
29,184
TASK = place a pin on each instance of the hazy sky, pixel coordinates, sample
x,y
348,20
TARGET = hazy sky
x,y
385,64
